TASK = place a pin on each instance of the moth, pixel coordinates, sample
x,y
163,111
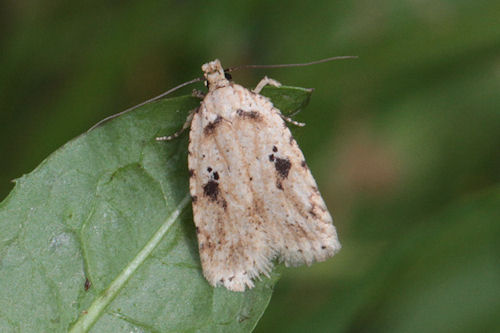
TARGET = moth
x,y
254,198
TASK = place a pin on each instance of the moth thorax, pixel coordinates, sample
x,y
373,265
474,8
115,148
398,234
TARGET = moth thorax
x,y
214,74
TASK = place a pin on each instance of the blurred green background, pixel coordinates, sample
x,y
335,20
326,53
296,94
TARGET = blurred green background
x,y
403,142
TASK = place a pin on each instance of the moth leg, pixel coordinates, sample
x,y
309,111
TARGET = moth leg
x,y
179,132
267,81
290,120
198,93
295,113
264,82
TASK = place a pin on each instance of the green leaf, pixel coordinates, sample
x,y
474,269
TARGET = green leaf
x,y
288,99
100,235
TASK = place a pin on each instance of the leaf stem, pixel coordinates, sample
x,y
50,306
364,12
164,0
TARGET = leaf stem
x,y
88,318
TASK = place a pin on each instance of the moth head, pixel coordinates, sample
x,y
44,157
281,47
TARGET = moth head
x,y
214,75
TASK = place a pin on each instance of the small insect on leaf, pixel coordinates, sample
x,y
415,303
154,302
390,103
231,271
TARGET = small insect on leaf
x,y
87,284
254,198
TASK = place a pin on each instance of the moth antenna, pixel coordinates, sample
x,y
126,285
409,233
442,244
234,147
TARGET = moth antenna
x,y
232,69
198,79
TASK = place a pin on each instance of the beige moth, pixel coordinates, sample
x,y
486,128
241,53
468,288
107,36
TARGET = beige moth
x,y
254,198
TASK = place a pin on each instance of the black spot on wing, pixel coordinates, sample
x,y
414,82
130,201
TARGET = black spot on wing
x,y
282,166
211,190
249,114
210,128
214,174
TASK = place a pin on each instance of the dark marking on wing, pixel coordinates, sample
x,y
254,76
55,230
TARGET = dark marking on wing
x,y
216,175
210,128
194,198
271,157
191,172
282,166
211,190
275,149
249,114
303,164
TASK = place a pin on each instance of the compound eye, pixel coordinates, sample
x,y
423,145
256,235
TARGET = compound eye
x,y
228,76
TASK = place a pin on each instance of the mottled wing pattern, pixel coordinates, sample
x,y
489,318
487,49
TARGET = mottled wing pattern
x,y
254,198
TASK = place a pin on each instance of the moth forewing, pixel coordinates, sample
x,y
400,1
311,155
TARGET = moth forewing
x,y
254,198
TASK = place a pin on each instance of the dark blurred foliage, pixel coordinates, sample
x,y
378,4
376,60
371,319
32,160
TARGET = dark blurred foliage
x,y
404,142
